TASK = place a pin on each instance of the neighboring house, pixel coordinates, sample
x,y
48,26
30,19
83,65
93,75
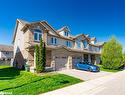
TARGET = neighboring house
x,y
63,49
6,52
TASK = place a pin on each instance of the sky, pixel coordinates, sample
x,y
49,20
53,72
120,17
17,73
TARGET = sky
x,y
99,18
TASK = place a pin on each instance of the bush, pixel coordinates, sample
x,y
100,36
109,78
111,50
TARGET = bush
x,y
38,65
112,54
40,57
44,56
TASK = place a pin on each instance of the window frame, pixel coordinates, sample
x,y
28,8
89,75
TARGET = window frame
x,y
85,43
38,36
68,43
66,33
53,41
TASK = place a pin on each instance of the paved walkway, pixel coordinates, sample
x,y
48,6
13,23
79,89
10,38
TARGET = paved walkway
x,y
84,75
99,86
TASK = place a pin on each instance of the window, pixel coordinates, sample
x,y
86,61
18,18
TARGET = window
x,y
37,34
95,41
85,43
7,52
66,33
78,44
40,35
53,40
68,43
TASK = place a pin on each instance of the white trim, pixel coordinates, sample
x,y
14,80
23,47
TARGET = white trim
x,y
38,36
54,42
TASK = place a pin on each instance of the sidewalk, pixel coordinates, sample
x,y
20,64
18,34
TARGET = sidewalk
x,y
85,88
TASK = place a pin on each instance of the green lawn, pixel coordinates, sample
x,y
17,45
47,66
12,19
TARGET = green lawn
x,y
26,83
107,70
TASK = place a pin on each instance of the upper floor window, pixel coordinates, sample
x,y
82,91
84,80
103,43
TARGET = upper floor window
x,y
66,33
78,44
54,40
85,43
37,34
68,43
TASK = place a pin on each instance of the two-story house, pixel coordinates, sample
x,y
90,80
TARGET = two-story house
x,y
62,49
6,52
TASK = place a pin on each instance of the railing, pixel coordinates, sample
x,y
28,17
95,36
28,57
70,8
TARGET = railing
x,y
94,49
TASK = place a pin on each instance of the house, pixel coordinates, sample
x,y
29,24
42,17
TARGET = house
x,y
63,49
6,52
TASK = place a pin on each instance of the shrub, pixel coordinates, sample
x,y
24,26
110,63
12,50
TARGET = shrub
x,y
44,56
38,66
112,54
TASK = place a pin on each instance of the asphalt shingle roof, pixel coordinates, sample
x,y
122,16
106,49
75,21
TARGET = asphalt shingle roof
x,y
6,48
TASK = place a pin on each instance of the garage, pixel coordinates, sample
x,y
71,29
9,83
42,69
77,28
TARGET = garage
x,y
76,59
61,62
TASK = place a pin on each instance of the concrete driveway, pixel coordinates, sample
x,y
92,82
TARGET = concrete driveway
x,y
84,75
108,85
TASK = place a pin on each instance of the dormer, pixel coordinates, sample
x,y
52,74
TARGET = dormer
x,y
64,31
93,40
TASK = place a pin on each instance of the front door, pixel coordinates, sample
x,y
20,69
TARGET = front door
x,y
85,57
92,59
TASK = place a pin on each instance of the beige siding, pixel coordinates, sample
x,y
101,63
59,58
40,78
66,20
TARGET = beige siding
x,y
19,40
59,41
6,55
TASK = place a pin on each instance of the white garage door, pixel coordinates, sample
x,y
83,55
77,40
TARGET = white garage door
x,y
61,62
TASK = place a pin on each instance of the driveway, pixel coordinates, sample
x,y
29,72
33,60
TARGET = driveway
x,y
84,75
108,85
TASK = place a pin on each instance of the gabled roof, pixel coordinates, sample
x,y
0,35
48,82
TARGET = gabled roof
x,y
81,35
6,48
22,21
100,43
65,28
50,28
93,38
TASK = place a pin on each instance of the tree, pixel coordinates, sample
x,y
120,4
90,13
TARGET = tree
x,y
44,56
38,66
112,54
41,54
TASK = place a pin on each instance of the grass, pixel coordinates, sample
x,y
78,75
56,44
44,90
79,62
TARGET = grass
x,y
108,70
26,83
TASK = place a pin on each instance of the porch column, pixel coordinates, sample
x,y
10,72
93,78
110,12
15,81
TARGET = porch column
x,y
82,57
98,59
53,63
69,63
89,58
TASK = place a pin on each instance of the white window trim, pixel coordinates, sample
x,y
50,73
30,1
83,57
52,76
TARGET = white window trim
x,y
54,42
38,36
87,45
67,34
68,44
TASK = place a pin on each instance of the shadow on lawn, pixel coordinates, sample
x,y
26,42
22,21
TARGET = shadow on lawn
x,y
8,73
